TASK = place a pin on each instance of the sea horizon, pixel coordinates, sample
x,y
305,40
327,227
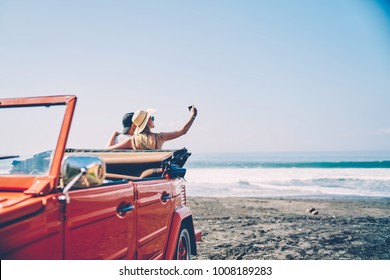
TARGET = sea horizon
x,y
353,155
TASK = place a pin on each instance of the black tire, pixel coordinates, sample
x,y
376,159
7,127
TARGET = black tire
x,y
183,245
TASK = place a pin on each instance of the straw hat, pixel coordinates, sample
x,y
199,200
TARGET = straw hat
x,y
141,118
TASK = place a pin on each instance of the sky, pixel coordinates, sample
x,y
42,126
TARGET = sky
x,y
266,76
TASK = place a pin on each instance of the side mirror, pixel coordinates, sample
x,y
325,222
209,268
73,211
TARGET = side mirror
x,y
83,171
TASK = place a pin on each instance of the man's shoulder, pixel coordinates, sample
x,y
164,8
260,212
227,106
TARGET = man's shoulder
x,y
122,137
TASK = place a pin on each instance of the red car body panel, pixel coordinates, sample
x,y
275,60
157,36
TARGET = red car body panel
x,y
37,234
153,207
121,219
92,218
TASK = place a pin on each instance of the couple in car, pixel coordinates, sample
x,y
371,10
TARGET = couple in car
x,y
137,131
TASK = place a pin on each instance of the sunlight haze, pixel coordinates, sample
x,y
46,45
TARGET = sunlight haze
x,y
266,76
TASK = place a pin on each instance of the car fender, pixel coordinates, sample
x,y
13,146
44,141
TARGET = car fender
x,y
181,214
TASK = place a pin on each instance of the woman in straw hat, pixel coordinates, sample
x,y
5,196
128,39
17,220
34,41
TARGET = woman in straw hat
x,y
145,139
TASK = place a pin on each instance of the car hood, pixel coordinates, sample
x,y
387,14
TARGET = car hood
x,y
14,205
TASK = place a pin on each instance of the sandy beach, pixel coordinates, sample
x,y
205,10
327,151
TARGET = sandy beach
x,y
284,229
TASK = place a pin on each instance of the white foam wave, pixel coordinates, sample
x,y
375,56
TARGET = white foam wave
x,y
288,182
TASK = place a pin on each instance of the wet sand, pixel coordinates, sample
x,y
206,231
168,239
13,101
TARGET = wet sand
x,y
284,229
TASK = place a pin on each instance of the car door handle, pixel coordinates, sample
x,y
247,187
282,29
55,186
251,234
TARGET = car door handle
x,y
166,196
125,209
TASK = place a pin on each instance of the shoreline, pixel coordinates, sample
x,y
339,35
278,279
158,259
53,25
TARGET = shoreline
x,y
257,228
300,197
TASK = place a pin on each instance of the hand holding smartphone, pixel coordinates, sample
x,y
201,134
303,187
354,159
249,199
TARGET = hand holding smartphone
x,y
193,110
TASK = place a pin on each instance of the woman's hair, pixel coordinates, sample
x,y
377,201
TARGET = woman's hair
x,y
144,140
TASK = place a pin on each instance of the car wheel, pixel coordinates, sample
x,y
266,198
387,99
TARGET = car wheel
x,y
183,245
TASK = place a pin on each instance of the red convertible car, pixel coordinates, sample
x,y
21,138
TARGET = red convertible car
x,y
62,203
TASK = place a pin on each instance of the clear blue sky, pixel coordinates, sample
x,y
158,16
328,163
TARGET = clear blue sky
x,y
266,76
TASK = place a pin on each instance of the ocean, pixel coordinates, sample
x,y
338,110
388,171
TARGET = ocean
x,y
283,175
305,175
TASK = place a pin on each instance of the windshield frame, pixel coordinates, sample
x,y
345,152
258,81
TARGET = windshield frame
x,y
25,182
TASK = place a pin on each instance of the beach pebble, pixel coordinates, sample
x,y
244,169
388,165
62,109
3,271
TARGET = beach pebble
x,y
312,211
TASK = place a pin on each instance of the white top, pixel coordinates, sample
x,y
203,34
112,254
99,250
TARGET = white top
x,y
121,137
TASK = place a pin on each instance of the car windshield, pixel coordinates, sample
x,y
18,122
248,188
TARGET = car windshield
x,y
28,138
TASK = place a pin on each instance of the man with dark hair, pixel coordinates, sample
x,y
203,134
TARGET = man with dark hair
x,y
123,140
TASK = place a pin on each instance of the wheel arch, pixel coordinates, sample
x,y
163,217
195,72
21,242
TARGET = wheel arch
x,y
181,217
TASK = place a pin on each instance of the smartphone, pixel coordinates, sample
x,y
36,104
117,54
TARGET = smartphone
x,y
190,107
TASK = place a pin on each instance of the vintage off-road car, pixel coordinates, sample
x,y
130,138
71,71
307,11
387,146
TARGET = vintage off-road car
x,y
62,203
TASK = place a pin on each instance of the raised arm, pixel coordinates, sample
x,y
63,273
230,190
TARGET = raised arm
x,y
175,134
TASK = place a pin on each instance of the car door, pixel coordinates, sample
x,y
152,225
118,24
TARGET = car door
x,y
99,223
154,215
